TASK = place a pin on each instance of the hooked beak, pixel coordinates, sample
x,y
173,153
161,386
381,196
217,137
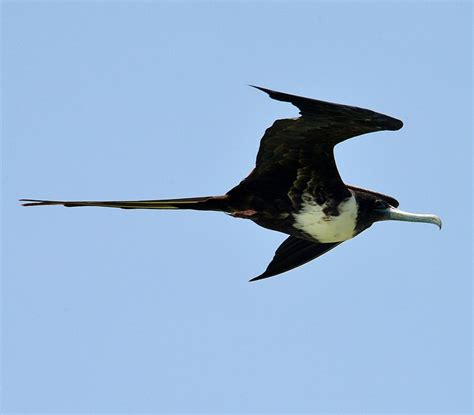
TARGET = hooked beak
x,y
392,213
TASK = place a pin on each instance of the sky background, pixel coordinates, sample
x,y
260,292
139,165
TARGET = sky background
x,y
113,311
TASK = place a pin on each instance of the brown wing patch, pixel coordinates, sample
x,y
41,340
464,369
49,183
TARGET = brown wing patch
x,y
389,199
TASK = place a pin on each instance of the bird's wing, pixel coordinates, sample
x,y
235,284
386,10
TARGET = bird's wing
x,y
296,155
292,253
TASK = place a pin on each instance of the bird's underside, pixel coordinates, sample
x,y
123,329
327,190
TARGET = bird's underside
x,y
295,187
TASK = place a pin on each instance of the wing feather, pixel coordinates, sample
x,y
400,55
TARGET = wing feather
x,y
292,253
296,156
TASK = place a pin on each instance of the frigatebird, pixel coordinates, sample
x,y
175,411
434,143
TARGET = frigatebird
x,y
295,187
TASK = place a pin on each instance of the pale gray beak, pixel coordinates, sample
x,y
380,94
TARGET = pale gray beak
x,y
396,214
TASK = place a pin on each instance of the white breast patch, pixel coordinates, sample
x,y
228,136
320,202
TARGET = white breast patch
x,y
312,220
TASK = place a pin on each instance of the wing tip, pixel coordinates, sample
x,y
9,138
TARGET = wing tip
x,y
394,124
259,277
261,88
266,274
389,123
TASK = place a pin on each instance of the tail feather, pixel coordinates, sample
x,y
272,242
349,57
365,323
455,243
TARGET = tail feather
x,y
217,203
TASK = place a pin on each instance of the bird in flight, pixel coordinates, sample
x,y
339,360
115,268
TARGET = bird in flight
x,y
295,187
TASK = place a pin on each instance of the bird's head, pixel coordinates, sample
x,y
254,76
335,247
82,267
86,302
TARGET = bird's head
x,y
373,207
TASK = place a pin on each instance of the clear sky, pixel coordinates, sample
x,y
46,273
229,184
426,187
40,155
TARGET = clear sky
x,y
150,311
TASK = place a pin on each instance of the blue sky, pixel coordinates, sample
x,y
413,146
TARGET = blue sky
x,y
142,311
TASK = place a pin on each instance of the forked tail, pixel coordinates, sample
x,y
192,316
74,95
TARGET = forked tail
x,y
216,203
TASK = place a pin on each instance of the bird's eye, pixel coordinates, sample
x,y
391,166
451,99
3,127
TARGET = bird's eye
x,y
380,204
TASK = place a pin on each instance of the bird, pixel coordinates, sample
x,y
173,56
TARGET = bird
x,y
295,187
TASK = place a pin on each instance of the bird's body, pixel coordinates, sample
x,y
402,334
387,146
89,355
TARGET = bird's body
x,y
295,187
321,227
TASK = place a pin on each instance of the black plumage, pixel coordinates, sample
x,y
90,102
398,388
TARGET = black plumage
x,y
295,187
